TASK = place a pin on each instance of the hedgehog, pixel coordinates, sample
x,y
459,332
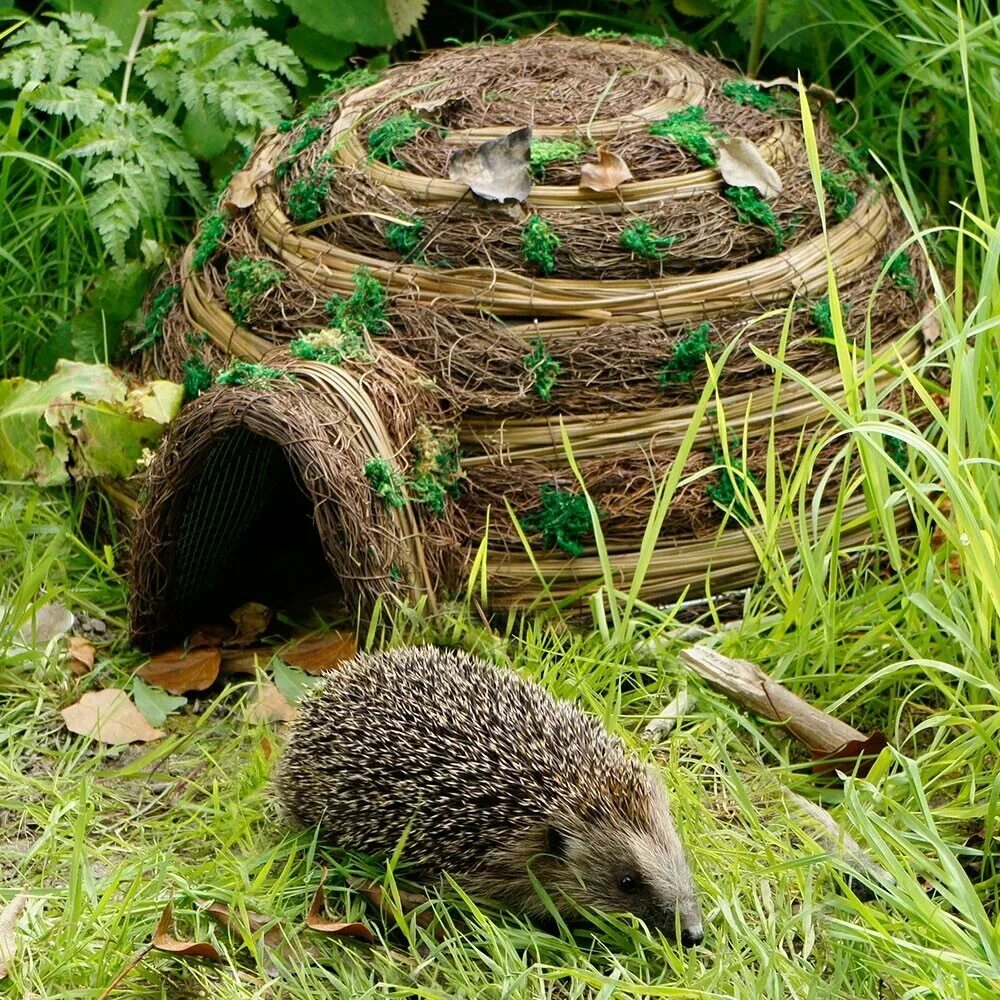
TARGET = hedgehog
x,y
491,781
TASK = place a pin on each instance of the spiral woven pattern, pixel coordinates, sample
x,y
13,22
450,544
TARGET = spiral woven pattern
x,y
593,318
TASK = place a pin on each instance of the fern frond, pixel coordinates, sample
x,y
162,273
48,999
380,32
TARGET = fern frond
x,y
45,53
84,104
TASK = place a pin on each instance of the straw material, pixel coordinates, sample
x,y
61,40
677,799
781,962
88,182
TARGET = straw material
x,y
646,291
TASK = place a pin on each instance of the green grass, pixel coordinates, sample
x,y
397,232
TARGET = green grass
x,y
48,254
901,635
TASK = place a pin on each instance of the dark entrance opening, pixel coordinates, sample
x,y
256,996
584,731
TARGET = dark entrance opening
x,y
245,533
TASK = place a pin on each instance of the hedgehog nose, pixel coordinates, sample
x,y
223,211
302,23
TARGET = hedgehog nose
x,y
691,936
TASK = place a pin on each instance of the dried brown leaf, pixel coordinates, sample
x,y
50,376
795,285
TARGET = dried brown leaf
x,y
856,756
251,621
318,922
272,941
245,184
225,916
163,940
322,653
245,661
81,655
8,932
497,169
609,172
209,635
741,165
819,93
271,706
408,901
109,716
181,670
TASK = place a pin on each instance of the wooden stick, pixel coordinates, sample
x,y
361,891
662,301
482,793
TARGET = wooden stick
x,y
747,684
835,839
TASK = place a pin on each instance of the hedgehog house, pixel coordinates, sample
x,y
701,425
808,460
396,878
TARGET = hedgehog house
x,y
441,298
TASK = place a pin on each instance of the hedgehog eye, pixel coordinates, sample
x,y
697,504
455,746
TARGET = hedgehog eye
x,y
630,884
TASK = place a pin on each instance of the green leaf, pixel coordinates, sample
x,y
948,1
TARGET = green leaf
x,y
318,50
94,336
154,703
366,22
121,16
698,8
118,292
293,683
204,135
83,421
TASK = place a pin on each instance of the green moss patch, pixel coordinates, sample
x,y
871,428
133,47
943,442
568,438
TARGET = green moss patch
x,y
546,151
385,481
691,130
251,374
247,280
405,237
838,189
732,485
689,355
752,209
750,94
364,312
332,346
823,319
857,159
643,241
310,134
307,195
563,520
196,376
159,309
539,243
210,235
899,271
383,140
543,368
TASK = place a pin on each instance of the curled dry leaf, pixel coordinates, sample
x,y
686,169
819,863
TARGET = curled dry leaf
x,y
272,940
8,932
321,653
408,901
81,655
251,621
271,706
497,169
741,165
222,913
318,921
819,93
163,940
609,172
109,716
245,184
179,671
855,756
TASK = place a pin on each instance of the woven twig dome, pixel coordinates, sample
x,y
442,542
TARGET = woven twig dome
x,y
585,316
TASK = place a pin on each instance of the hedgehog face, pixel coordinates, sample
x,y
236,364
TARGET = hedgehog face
x,y
632,862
